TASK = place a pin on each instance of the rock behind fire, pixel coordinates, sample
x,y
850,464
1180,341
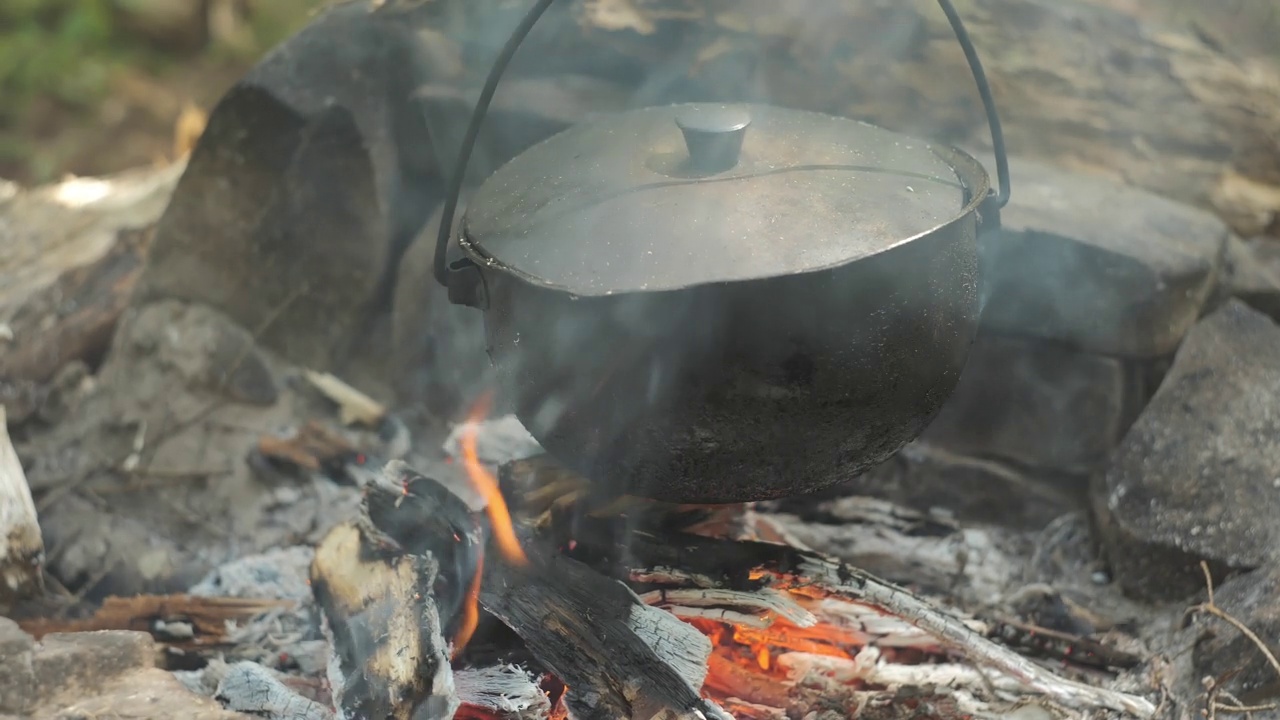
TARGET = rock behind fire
x,y
1098,265
1252,273
1198,475
1222,652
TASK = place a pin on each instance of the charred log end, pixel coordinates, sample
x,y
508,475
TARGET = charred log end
x,y
391,655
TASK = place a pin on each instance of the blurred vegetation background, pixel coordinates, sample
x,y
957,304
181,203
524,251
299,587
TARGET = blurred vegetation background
x,y
97,86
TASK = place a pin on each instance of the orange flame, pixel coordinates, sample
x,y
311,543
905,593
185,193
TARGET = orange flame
x,y
470,611
504,533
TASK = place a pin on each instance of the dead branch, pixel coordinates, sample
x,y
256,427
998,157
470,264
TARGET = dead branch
x,y
1211,607
207,616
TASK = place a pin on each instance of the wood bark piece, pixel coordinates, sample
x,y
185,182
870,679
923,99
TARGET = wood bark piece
x,y
21,544
353,405
207,616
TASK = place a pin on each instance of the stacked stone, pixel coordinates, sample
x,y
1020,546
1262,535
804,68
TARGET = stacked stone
x,y
1126,363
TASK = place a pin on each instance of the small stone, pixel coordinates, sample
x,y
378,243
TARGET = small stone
x,y
1252,274
202,345
1038,405
1221,651
102,674
1098,265
17,681
78,664
145,694
1194,478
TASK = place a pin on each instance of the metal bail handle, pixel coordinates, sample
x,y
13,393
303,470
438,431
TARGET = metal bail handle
x,y
998,199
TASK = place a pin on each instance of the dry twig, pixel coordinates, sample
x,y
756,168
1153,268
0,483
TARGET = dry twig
x,y
1213,689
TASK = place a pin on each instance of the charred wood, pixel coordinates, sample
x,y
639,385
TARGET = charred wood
x,y
753,565
391,659
252,689
621,658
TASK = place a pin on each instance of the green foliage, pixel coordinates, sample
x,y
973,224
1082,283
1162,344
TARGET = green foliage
x,y
67,49
60,48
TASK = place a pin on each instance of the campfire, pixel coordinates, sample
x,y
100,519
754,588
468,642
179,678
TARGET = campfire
x,y
855,424
550,602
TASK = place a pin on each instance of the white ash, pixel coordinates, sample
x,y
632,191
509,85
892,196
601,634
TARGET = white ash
x,y
973,563
250,688
281,637
205,681
506,690
869,666
498,441
280,573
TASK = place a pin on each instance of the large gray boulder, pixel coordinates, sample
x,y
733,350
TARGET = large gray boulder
x,y
1098,265
1038,405
1197,477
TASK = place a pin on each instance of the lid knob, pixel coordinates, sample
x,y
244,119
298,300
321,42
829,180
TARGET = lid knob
x,y
713,135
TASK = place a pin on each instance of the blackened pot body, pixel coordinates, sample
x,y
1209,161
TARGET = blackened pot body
x,y
741,391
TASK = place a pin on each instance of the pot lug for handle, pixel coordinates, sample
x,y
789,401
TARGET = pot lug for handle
x,y
466,285
989,212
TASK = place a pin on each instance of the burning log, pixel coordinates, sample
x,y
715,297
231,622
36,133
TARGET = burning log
x,y
711,562
384,630
21,545
623,658
762,628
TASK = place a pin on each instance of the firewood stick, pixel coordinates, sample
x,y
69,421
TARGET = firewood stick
x,y
772,602
21,545
674,554
839,579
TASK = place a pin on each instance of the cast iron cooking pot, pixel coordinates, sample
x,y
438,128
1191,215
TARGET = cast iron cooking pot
x,y
710,303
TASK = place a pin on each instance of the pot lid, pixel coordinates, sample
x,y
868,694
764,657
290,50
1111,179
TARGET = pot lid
x,y
664,198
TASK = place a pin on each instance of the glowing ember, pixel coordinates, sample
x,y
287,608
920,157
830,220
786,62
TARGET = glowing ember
x,y
504,533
